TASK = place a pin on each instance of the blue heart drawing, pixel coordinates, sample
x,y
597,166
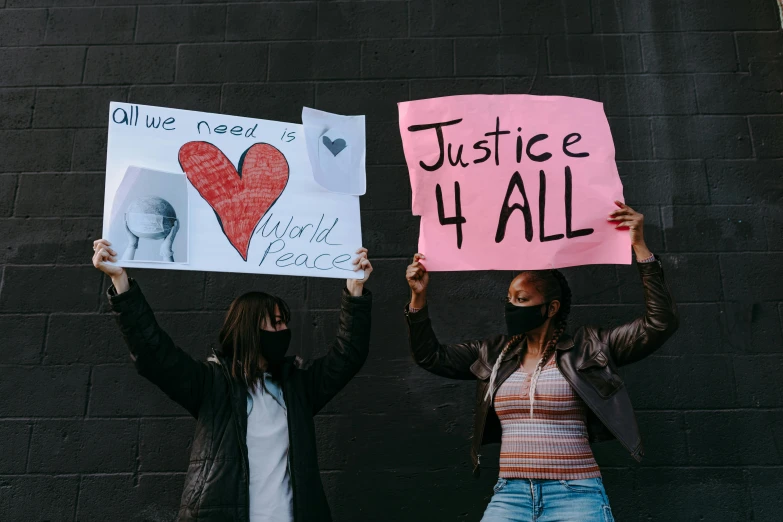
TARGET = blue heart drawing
x,y
336,146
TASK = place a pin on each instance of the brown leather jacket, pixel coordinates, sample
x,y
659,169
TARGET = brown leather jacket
x,y
588,360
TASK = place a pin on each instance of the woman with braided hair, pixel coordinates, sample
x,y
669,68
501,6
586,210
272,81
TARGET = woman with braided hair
x,y
546,395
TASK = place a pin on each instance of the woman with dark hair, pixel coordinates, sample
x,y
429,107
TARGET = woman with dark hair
x,y
544,394
254,455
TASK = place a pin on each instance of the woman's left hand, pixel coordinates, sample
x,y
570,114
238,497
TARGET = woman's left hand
x,y
356,286
627,218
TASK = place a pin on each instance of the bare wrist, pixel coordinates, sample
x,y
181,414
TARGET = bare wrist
x,y
641,251
121,283
355,289
418,300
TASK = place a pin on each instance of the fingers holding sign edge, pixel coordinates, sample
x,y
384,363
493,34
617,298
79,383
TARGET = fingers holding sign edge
x,y
362,262
418,261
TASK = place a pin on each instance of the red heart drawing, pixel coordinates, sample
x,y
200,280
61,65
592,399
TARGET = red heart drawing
x,y
240,197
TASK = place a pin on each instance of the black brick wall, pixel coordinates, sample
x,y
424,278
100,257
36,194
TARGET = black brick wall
x,y
692,90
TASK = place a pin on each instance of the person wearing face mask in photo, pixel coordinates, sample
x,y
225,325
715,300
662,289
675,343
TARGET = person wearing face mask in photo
x,y
546,395
253,457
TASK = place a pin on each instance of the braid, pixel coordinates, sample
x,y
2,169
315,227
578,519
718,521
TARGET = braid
x,y
511,342
560,326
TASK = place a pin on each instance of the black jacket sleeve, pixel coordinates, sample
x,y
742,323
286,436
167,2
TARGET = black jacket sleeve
x,y
452,360
641,337
154,354
325,376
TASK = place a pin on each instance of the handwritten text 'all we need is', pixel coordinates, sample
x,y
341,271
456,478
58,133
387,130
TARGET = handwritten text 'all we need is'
x,y
130,117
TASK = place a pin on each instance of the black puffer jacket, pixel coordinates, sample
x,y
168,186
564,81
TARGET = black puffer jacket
x,y
216,485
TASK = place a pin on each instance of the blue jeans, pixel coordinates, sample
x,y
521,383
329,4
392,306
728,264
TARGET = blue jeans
x,y
526,500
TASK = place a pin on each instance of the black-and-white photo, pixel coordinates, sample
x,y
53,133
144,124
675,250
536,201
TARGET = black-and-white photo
x,y
149,218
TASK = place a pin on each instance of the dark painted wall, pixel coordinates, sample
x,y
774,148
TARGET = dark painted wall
x,y
693,94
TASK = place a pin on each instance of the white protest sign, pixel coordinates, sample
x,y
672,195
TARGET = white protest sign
x,y
336,147
250,201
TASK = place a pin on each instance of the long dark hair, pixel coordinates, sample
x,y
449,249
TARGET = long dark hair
x,y
553,285
240,336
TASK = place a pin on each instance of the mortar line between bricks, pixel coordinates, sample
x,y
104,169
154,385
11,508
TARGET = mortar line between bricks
x,y
78,497
695,93
733,370
42,354
653,145
409,17
663,229
86,413
688,452
137,469
317,21
15,195
29,447
268,74
84,65
32,113
750,137
422,38
735,43
176,66
73,151
135,25
703,164
454,57
225,21
361,62
500,18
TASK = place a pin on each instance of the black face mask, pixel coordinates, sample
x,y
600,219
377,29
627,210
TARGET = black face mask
x,y
274,345
522,319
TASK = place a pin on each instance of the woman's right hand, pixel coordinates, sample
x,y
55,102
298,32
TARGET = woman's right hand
x,y
104,255
418,279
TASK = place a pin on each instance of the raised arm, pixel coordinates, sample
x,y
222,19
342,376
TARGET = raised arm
x,y
452,361
153,352
327,375
641,337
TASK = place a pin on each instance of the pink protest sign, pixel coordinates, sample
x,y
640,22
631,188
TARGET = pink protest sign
x,y
512,182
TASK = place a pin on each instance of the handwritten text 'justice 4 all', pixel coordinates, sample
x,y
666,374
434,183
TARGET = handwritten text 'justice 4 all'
x,y
515,185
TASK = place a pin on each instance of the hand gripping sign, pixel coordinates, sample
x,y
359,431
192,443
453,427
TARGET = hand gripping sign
x,y
512,182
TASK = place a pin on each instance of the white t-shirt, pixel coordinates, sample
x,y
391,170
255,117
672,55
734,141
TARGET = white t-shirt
x,y
267,451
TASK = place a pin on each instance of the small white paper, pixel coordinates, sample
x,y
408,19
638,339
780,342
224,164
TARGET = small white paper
x,y
337,150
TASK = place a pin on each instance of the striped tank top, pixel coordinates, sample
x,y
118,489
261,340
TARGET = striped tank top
x,y
553,444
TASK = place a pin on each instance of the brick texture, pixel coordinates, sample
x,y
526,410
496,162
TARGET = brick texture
x,y
692,92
